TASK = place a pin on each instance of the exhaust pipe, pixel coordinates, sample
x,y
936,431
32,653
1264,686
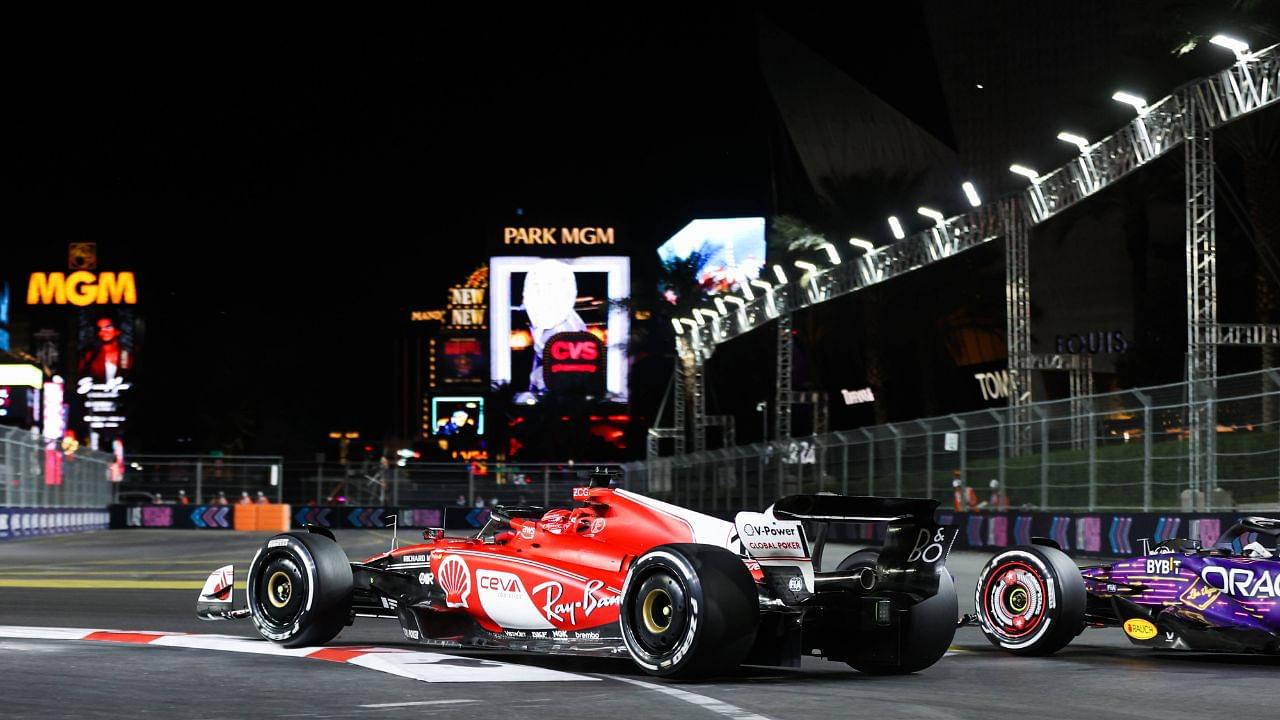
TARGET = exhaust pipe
x,y
860,580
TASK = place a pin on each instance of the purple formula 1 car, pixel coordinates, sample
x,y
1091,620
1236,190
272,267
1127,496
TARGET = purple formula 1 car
x,y
1033,599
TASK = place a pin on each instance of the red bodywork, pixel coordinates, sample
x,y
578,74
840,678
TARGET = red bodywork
x,y
560,573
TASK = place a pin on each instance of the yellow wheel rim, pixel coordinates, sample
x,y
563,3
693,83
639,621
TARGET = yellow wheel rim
x,y
1018,600
656,611
279,589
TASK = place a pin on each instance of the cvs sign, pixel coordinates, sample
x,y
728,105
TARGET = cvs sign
x,y
574,362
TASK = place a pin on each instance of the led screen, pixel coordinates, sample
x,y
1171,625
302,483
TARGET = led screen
x,y
457,417
731,249
533,300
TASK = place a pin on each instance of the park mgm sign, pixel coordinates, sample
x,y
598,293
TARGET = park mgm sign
x,y
557,236
82,288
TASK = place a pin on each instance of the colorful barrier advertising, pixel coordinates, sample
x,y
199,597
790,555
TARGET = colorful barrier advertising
x,y
1114,534
223,517
37,522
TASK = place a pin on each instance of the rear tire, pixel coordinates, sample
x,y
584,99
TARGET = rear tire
x,y
689,611
1030,600
299,590
928,629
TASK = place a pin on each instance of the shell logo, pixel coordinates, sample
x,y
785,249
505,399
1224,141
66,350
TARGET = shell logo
x,y
454,577
1139,629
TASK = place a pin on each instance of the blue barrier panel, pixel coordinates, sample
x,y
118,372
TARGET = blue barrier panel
x,y
18,523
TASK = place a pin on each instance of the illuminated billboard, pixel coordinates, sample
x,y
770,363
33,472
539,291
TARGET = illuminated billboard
x,y
457,417
534,300
82,288
731,249
457,360
105,370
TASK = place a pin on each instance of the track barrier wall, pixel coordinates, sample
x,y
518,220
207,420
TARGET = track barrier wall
x,y
282,517
1117,534
37,522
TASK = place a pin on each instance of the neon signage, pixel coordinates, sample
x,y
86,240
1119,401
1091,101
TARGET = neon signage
x,y
82,288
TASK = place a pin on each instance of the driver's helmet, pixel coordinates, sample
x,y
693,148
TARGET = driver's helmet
x,y
556,521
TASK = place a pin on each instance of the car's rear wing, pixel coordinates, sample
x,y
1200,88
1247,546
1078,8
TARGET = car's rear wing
x,y
911,558
854,508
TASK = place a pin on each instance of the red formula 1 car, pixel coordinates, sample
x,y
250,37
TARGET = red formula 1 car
x,y
681,593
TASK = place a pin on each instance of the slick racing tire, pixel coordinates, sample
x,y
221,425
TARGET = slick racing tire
x,y
1030,600
927,630
300,590
689,611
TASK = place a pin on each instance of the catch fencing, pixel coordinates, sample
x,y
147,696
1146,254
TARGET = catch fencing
x,y
37,474
201,479
208,480
1121,450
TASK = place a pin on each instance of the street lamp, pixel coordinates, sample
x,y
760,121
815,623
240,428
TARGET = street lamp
x,y
1138,103
933,215
1239,47
971,194
762,407
896,227
831,253
807,267
1076,140
866,245
699,311
1026,172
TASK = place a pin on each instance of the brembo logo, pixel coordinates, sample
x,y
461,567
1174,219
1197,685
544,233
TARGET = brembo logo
x,y
1241,582
454,577
753,530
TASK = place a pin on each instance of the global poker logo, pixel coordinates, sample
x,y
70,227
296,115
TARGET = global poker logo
x,y
454,577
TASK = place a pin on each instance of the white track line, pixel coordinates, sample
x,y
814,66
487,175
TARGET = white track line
x,y
703,701
423,666
420,702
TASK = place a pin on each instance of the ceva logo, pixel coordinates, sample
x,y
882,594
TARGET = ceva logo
x,y
82,288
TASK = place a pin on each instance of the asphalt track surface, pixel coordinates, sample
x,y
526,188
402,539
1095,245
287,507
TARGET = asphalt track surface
x,y
147,580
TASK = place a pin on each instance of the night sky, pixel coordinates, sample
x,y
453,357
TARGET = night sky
x,y
288,190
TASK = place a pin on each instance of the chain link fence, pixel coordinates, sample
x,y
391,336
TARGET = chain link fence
x,y
38,475
200,479
428,484
1122,450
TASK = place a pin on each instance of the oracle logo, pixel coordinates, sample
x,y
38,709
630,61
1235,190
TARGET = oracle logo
x,y
454,577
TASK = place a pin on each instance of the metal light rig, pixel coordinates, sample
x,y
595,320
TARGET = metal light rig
x,y
1189,115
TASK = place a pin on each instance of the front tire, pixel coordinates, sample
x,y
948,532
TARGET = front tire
x,y
927,631
299,590
1030,600
689,611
